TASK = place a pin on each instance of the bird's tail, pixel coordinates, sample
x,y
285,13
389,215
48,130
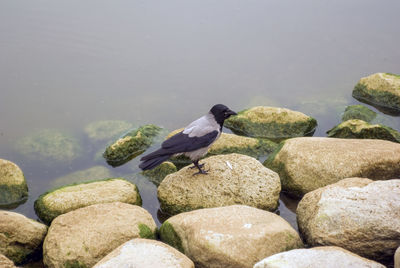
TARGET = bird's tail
x,y
154,159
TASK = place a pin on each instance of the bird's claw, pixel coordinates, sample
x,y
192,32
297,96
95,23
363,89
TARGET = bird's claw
x,y
201,172
194,166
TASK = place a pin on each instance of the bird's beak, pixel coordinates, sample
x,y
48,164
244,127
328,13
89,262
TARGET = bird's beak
x,y
230,112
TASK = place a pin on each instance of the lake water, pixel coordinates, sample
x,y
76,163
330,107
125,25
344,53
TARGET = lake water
x,y
65,64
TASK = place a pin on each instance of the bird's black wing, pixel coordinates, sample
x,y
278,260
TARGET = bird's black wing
x,y
181,142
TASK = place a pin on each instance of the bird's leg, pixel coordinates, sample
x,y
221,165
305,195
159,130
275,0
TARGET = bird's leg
x,y
199,166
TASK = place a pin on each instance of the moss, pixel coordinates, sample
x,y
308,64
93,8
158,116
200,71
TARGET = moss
x,y
157,174
146,232
131,145
169,235
358,112
74,264
395,75
269,161
13,194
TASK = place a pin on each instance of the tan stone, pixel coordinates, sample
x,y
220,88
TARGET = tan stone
x,y
382,82
84,236
265,114
231,179
145,253
20,237
357,214
234,236
327,257
13,187
5,262
305,164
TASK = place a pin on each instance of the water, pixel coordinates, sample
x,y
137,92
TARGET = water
x,y
65,64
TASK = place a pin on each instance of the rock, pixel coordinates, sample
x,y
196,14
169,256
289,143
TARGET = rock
x,y
327,257
357,214
359,129
13,187
5,262
131,145
306,164
82,237
231,143
49,146
106,129
397,258
145,253
20,238
234,236
93,173
271,123
231,179
358,112
381,90
157,174
67,198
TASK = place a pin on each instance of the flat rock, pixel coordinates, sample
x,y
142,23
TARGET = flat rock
x,y
357,214
71,197
145,253
82,237
20,237
5,262
306,164
358,112
231,179
234,236
93,173
359,129
381,90
13,187
271,123
327,257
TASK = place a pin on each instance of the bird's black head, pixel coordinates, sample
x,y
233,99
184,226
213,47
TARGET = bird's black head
x,y
221,112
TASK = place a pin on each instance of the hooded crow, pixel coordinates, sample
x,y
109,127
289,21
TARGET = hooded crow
x,y
193,141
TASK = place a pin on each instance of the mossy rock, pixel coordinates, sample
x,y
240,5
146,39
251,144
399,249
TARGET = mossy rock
x,y
381,90
358,129
71,197
157,174
271,123
13,187
106,129
89,174
358,112
169,235
49,146
131,145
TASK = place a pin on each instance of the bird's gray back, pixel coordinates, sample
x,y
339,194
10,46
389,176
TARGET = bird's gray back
x,y
202,126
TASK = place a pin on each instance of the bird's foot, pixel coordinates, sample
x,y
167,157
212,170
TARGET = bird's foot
x,y
194,166
201,171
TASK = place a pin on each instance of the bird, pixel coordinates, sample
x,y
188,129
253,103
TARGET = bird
x,y
193,141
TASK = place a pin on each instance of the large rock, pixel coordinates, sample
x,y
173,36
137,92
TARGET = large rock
x,y
357,214
93,173
105,130
360,129
131,145
20,237
145,253
231,179
82,237
327,257
49,146
5,262
62,200
234,236
271,123
13,187
381,90
306,164
358,112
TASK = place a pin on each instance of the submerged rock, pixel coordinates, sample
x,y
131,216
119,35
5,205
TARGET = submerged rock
x,y
20,237
359,129
234,236
381,90
271,123
67,198
90,174
105,130
306,164
357,214
327,257
49,146
231,179
358,112
145,253
131,145
157,174
13,187
5,262
82,237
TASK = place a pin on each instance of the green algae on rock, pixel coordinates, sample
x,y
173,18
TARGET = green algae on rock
x,y
157,174
381,90
131,145
358,112
13,187
70,197
106,129
359,129
271,123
